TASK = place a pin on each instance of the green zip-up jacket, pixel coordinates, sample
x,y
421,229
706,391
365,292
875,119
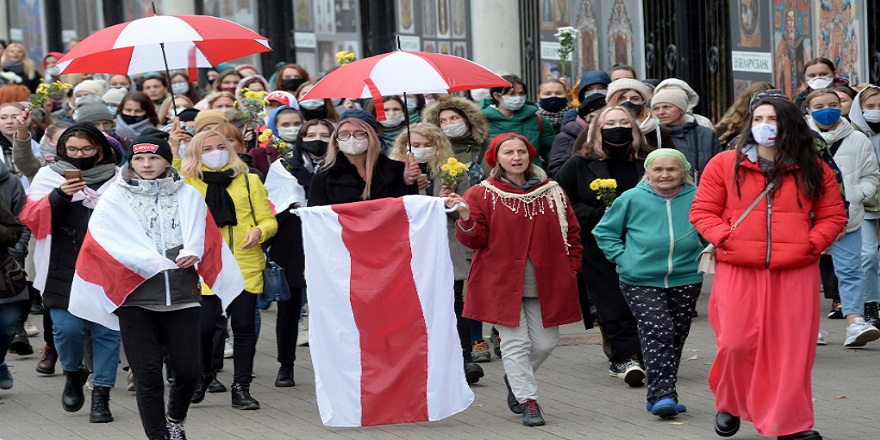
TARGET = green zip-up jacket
x,y
651,239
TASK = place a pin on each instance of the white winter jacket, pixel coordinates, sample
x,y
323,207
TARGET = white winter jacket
x,y
858,164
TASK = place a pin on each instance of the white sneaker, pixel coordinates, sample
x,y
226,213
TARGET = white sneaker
x,y
821,340
302,337
30,329
227,349
860,333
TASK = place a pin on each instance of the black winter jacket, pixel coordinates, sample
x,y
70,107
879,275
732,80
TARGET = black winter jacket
x,y
341,182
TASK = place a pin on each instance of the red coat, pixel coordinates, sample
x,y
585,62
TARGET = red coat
x,y
501,240
795,239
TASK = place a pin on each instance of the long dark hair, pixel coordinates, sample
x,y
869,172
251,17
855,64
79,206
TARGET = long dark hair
x,y
145,102
795,145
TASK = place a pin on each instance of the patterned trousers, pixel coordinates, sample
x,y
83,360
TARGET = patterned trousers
x,y
664,319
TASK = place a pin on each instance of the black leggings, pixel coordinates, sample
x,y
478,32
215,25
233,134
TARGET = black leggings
x,y
241,315
146,336
287,326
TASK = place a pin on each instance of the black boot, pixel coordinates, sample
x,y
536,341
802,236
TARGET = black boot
x,y
241,397
872,313
72,398
100,406
472,370
285,377
20,344
202,388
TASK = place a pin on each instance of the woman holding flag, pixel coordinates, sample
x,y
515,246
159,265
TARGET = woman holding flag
x,y
61,199
239,203
152,226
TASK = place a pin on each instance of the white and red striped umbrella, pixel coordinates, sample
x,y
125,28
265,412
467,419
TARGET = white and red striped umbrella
x,y
400,72
190,41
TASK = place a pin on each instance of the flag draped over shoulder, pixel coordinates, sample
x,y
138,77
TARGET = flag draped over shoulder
x,y
284,190
381,325
117,256
37,216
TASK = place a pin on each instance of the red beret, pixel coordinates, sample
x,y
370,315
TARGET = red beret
x,y
492,152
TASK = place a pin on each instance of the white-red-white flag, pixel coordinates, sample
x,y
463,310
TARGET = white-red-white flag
x,y
382,329
117,256
37,215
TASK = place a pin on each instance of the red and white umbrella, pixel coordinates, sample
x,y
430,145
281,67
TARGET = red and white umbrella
x,y
400,72
145,44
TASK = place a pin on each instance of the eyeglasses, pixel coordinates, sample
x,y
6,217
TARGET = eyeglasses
x,y
84,150
344,135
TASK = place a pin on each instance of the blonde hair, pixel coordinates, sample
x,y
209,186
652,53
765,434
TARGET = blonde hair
x,y
442,147
191,164
29,70
217,95
166,105
373,151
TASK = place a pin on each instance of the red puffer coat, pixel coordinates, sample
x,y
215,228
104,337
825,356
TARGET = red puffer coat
x,y
778,233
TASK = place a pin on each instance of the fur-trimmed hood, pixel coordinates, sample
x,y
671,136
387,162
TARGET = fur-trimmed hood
x,y
478,123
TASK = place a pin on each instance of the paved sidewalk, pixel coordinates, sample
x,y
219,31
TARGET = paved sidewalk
x,y
580,399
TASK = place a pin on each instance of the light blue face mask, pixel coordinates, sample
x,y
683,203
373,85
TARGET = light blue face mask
x,y
513,103
112,109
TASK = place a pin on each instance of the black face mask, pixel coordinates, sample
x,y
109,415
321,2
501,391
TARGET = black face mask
x,y
617,136
553,105
131,120
875,126
308,115
634,109
317,148
82,163
291,84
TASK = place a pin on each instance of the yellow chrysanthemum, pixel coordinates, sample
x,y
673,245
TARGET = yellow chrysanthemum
x,y
267,132
594,185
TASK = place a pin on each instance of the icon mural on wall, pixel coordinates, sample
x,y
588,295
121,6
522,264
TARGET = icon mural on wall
x,y
620,35
588,27
839,35
791,33
302,15
405,17
749,15
429,18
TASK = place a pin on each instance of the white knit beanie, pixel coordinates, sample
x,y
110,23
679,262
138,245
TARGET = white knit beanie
x,y
676,97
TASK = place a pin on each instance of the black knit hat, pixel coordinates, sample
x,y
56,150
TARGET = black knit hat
x,y
151,141
590,104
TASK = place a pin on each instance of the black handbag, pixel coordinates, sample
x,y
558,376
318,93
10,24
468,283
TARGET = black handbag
x,y
275,287
13,279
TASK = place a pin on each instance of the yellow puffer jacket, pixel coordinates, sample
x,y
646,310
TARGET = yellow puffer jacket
x,y
251,261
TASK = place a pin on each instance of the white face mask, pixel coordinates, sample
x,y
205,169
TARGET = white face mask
x,y
288,133
819,82
393,120
230,114
479,94
312,104
871,115
513,103
179,89
215,159
423,155
455,130
764,134
182,150
353,146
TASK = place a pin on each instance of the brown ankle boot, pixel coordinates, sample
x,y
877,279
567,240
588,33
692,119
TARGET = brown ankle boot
x,y
47,360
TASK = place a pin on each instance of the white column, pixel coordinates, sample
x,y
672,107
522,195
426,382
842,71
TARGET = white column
x,y
495,35
177,7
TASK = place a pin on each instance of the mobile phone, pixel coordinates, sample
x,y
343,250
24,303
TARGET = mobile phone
x,y
73,174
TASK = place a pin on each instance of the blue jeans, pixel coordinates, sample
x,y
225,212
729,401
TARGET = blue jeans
x,y
847,257
10,314
870,261
69,332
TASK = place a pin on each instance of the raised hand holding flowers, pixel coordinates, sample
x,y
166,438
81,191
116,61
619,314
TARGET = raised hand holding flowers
x,y
607,190
46,92
274,142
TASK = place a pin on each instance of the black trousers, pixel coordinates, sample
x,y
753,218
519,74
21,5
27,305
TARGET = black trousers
x,y
664,316
287,326
241,316
146,336
463,324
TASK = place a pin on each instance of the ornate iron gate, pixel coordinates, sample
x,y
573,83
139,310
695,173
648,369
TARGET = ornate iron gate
x,y
690,40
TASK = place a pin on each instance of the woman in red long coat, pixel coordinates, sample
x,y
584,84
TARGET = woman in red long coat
x,y
765,298
527,252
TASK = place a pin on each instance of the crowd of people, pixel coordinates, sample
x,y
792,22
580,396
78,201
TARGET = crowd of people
x,y
597,200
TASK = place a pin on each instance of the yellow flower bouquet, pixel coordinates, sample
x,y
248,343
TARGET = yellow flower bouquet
x,y
607,190
45,92
252,104
344,57
274,142
451,173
